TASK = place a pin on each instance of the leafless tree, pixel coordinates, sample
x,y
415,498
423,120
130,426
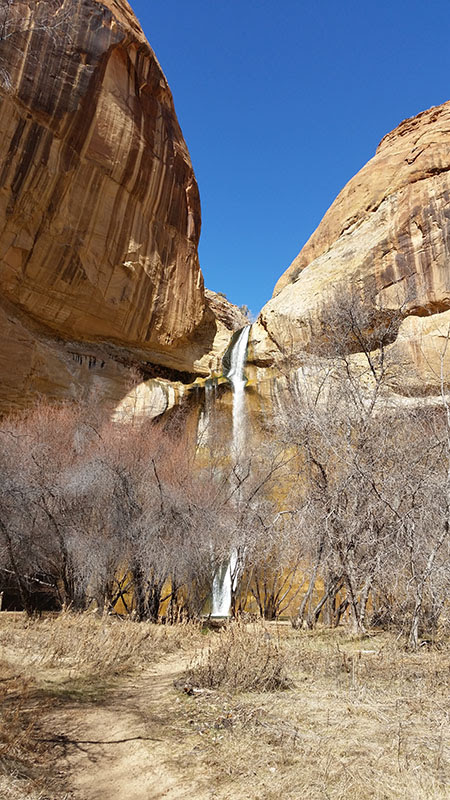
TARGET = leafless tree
x,y
371,471
342,506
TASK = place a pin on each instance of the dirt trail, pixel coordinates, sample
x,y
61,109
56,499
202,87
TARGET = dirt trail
x,y
128,747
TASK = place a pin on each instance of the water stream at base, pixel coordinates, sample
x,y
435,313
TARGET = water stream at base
x,y
222,584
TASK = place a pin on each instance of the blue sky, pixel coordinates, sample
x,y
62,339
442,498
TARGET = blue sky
x,y
280,103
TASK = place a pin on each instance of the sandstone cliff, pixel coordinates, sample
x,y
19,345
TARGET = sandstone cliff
x,y
99,207
387,239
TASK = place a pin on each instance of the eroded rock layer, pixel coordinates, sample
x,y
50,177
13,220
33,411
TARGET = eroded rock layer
x,y
99,207
386,240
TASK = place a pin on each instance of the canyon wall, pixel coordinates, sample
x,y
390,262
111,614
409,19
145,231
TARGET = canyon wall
x,y
100,285
99,209
385,241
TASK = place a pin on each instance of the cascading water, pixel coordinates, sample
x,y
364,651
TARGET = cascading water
x,y
221,588
237,379
222,584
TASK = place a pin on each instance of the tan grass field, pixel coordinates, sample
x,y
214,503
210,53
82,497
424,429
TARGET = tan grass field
x,y
101,709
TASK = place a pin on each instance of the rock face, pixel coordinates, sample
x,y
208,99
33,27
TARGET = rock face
x,y
387,238
99,207
232,317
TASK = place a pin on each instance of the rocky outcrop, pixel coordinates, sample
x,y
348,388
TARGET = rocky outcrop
x,y
99,207
232,317
164,389
386,239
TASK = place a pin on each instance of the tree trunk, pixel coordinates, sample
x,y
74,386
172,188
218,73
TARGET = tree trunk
x,y
21,583
140,593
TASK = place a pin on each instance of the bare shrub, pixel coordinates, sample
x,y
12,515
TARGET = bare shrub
x,y
245,659
366,719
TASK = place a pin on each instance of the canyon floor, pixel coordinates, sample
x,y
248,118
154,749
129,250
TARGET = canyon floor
x,y
101,709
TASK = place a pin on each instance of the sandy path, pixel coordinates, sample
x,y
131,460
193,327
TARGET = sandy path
x,y
128,747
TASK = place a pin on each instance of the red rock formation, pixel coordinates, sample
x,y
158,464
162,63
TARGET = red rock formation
x,y
99,207
232,317
386,237
404,190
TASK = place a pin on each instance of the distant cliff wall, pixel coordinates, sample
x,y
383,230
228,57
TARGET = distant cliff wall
x,y
386,241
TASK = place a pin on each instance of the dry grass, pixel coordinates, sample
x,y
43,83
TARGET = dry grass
x,y
245,659
362,719
24,760
86,644
365,721
49,662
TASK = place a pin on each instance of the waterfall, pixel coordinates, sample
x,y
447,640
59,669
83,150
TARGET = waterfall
x,y
222,584
221,588
237,379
